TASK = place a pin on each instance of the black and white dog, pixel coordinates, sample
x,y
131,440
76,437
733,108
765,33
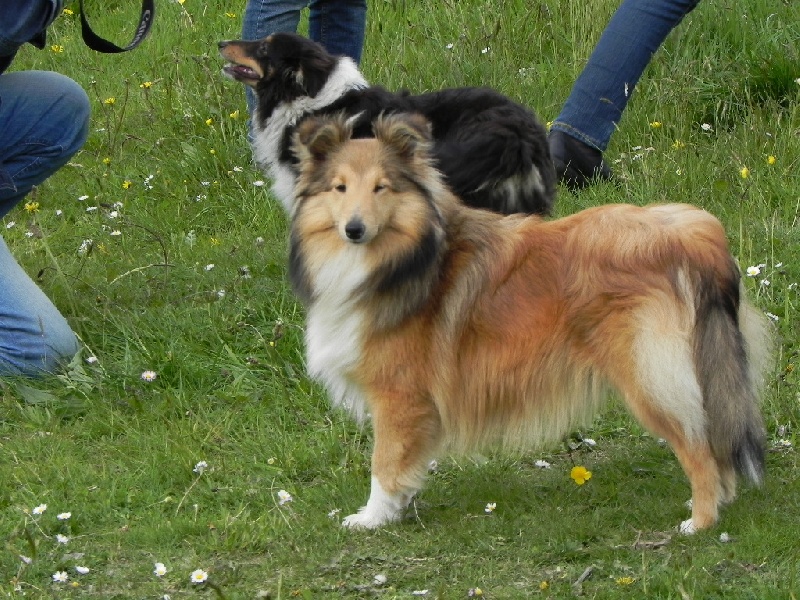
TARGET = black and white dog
x,y
492,151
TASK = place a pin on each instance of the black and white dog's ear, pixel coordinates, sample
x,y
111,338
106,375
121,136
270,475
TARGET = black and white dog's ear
x,y
316,137
410,135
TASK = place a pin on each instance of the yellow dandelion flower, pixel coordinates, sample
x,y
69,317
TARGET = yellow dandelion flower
x,y
549,125
56,48
771,160
110,100
625,580
181,2
678,145
544,585
126,184
214,241
209,121
212,151
32,207
235,114
230,15
68,12
106,161
744,172
655,124
580,475
146,85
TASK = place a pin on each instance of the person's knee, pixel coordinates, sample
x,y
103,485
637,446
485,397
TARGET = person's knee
x,y
73,106
35,355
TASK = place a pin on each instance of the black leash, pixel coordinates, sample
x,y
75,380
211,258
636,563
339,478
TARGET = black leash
x,y
95,42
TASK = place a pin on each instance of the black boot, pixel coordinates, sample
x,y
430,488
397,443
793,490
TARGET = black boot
x,y
577,165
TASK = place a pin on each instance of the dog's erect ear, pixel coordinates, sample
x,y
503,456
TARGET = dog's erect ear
x,y
316,137
408,135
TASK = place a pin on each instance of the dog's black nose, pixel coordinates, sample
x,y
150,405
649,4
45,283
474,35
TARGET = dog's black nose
x,y
355,230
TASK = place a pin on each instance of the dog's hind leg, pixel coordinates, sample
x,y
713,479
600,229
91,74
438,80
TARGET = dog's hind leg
x,y
661,389
407,435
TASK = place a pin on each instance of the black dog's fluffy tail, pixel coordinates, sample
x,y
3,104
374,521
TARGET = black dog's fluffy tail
x,y
499,159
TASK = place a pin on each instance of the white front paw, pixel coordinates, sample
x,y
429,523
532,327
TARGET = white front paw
x,y
366,519
687,527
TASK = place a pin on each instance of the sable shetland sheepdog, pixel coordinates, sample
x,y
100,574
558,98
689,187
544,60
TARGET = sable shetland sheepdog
x,y
492,151
452,328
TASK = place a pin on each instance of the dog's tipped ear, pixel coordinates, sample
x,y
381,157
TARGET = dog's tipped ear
x,y
407,134
316,137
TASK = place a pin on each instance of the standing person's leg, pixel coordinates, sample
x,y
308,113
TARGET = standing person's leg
x,y
581,132
44,118
339,25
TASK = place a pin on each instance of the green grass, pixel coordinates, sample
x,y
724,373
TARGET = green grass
x,y
118,452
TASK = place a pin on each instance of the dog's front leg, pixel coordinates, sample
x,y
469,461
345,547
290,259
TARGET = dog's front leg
x,y
407,433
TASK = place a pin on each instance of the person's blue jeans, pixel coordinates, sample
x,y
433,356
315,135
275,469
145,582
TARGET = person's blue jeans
x,y
602,90
44,120
339,25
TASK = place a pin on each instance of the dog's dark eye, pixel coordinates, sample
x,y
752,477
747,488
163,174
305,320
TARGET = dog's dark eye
x,y
341,188
379,188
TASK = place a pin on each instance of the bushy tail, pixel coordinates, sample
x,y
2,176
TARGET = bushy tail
x,y
731,352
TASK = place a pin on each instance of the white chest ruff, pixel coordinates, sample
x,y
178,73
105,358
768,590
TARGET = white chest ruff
x,y
334,333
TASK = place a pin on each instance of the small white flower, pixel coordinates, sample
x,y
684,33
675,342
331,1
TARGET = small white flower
x,y
26,559
332,514
59,212
237,169
114,214
490,507
284,497
63,516
199,576
753,271
28,234
706,127
91,208
258,183
116,233
91,359
724,537
37,510
209,266
149,375
765,282
221,294
85,247
10,224
485,50
160,570
60,577
379,579
449,46
62,539
205,183
589,442
200,467
259,241
82,198
82,570
420,592
542,464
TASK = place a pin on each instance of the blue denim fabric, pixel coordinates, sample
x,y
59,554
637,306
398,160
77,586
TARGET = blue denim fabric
x,y
602,90
34,337
339,25
44,120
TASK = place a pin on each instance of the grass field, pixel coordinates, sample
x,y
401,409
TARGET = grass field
x,y
177,433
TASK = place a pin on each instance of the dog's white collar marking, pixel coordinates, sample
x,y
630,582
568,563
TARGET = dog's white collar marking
x,y
267,140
